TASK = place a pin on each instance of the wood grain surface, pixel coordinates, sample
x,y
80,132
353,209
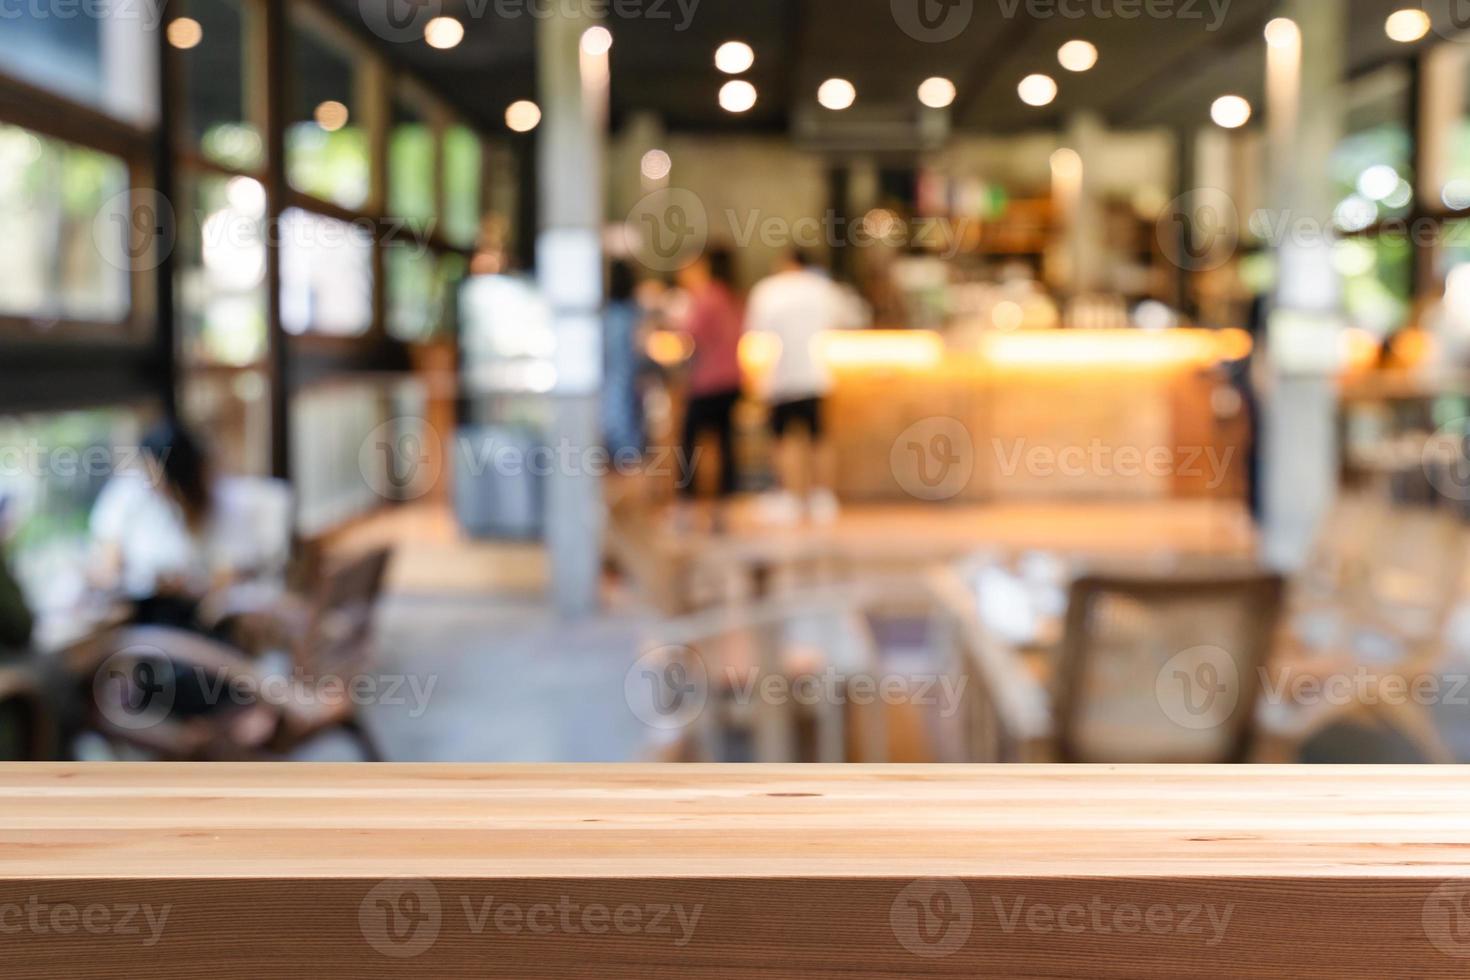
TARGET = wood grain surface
x,y
592,871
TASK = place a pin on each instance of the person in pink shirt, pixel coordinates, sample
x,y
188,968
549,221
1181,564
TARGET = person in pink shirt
x,y
713,322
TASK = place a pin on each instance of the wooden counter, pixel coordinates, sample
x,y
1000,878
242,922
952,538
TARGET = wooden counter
x,y
1048,415
527,871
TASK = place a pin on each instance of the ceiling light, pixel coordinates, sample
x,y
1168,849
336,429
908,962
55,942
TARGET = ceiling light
x,y
656,165
1077,55
185,33
443,33
1408,25
734,57
1230,111
836,94
737,96
596,40
1037,90
331,116
1282,32
936,93
522,116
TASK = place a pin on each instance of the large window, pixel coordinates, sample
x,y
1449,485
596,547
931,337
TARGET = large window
x,y
221,270
67,222
422,289
464,172
215,110
327,152
326,275
412,157
1372,171
52,467
100,55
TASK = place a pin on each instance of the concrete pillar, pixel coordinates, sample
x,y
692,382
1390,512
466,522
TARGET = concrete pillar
x,y
573,89
1304,125
1086,231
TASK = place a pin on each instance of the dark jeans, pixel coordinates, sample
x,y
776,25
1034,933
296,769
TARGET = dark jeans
x,y
193,694
710,413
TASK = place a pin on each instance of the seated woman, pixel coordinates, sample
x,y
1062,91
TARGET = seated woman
x,y
155,534
151,530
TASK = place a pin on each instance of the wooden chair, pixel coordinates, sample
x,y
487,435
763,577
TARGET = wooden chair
x,y
1106,689
1398,575
1160,670
1007,712
728,652
328,636
918,628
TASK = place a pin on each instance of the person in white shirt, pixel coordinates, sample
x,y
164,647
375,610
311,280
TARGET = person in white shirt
x,y
796,305
159,531
152,529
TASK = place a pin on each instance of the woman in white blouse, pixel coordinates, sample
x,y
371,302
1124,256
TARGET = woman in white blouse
x,y
152,529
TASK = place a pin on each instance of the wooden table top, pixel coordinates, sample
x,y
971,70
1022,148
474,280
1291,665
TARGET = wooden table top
x,y
363,821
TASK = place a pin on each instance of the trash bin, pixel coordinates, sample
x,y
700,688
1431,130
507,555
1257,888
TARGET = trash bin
x,y
496,492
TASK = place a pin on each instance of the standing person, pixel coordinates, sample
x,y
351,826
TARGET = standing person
x,y
795,306
622,408
713,322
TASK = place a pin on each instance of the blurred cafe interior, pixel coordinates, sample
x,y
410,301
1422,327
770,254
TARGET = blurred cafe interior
x,y
691,380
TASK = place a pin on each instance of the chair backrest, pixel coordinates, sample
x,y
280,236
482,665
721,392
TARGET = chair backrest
x,y
1415,573
1341,552
338,637
1164,670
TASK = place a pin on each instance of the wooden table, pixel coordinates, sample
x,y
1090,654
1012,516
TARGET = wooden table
x,y
733,872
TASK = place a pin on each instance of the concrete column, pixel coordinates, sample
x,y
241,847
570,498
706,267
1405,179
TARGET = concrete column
x,y
573,96
1085,230
1304,125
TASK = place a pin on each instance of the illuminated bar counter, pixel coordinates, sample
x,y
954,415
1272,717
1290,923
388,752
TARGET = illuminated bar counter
x,y
1056,414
